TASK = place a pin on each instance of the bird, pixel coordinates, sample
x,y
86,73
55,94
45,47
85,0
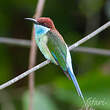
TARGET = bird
x,y
53,47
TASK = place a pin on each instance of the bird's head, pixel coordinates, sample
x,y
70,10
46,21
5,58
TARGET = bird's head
x,y
42,25
43,21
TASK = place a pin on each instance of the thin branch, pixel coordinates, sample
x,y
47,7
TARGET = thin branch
x,y
32,61
15,42
33,53
24,74
47,62
27,43
89,50
90,35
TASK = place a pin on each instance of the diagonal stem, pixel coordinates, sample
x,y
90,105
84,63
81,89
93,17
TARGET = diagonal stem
x,y
90,36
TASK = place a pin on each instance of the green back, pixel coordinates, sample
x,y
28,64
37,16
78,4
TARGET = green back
x,y
57,48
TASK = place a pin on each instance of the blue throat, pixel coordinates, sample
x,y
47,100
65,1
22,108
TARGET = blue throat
x,y
40,30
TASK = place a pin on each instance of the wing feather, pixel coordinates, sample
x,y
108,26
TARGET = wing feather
x,y
61,54
57,47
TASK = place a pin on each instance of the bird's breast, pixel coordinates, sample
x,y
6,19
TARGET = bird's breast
x,y
42,44
41,40
40,30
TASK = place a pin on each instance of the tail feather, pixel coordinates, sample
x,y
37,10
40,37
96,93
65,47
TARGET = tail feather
x,y
75,83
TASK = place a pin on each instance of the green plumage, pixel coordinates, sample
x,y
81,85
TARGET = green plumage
x,y
53,48
57,48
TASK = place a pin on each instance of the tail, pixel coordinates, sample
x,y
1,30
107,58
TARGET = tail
x,y
75,83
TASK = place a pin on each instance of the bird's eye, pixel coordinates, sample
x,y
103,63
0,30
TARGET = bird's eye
x,y
43,24
46,25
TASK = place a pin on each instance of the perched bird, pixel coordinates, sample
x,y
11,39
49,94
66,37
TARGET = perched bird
x,y
53,47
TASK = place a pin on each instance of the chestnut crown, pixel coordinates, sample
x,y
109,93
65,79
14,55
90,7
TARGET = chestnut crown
x,y
47,22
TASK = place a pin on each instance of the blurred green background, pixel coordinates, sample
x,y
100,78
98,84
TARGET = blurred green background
x,y
74,19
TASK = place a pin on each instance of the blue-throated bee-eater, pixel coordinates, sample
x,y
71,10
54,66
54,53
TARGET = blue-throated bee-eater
x,y
53,47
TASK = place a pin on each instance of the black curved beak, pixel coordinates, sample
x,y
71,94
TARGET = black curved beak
x,y
31,19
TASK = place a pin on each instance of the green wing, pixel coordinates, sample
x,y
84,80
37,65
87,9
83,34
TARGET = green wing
x,y
57,48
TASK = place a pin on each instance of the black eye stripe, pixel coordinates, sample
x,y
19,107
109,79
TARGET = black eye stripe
x,y
44,24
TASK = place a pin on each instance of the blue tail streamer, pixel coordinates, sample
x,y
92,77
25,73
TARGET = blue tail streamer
x,y
75,83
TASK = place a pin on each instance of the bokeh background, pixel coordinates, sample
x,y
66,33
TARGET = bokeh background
x,y
74,19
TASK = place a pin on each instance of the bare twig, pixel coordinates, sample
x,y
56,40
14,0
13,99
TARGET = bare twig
x,y
16,42
47,62
24,74
104,52
27,43
33,52
32,61
90,35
